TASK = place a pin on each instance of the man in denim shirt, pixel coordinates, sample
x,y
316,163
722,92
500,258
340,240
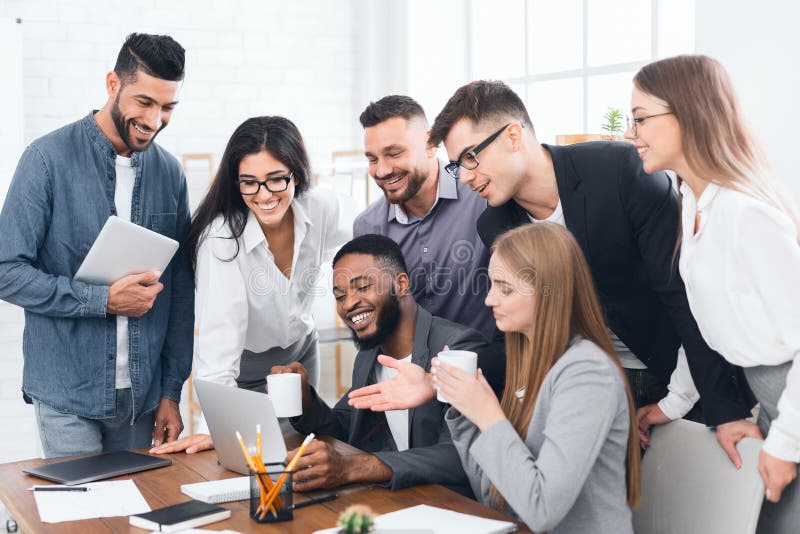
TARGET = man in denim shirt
x,y
104,365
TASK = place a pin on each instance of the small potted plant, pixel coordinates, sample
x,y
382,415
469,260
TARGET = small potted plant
x,y
613,124
357,519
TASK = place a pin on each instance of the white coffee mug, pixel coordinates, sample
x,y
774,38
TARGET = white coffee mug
x,y
285,392
466,360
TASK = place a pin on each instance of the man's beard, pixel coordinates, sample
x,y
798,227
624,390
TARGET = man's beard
x,y
388,320
121,123
415,180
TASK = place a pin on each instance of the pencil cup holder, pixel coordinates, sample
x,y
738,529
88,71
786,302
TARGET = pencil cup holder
x,y
260,486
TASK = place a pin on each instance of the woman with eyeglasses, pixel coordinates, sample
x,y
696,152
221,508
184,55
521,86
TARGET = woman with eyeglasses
x,y
257,242
739,252
560,450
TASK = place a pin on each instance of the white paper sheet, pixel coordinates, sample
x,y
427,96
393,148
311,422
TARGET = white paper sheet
x,y
430,519
104,499
201,531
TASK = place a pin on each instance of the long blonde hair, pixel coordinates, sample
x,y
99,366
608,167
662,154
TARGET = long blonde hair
x,y
714,138
546,257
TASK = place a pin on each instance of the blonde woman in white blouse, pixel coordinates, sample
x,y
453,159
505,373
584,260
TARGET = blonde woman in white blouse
x,y
257,243
739,251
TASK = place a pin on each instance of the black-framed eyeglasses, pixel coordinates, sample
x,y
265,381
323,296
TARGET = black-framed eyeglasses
x,y
469,160
634,122
273,184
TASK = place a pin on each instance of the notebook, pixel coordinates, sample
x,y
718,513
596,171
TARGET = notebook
x,y
424,518
98,467
217,491
180,517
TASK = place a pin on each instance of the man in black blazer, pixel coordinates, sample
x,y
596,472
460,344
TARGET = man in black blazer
x,y
402,448
626,223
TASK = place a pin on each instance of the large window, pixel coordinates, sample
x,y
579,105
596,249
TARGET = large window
x,y
570,60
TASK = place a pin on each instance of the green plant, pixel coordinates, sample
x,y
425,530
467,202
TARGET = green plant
x,y
357,519
613,122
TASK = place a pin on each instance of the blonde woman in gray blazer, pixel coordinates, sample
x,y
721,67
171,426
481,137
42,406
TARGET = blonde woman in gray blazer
x,y
560,450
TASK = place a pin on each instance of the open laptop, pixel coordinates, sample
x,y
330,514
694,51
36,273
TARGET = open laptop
x,y
230,409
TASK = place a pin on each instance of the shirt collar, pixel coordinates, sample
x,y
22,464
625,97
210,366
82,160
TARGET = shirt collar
x,y
102,142
446,188
447,184
706,197
253,235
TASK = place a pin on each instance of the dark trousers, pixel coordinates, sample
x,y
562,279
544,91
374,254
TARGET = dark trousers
x,y
646,387
768,383
649,388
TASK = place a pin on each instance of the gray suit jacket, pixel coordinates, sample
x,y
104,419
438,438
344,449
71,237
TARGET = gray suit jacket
x,y
431,457
568,475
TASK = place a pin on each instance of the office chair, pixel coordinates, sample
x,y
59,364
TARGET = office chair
x,y
690,486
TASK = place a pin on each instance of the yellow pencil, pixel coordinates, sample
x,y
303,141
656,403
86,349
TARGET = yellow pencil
x,y
259,462
265,487
247,457
253,467
282,479
265,480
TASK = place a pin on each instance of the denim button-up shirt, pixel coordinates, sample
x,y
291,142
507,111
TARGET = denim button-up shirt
x,y
60,197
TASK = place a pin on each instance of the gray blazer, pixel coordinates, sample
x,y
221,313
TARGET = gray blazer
x,y
568,476
431,457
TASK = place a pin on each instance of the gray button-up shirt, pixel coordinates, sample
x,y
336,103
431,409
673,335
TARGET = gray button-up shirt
x,y
447,262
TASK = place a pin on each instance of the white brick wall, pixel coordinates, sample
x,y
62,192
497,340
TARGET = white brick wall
x,y
244,58
18,436
296,59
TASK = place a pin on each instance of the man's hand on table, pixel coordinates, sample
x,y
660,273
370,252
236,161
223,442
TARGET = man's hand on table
x,y
190,444
321,466
168,425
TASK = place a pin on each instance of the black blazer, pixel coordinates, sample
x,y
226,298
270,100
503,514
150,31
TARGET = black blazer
x,y
431,457
626,222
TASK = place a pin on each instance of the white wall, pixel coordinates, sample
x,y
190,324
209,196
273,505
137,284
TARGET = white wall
x,y
759,44
437,51
381,36
16,418
18,436
10,93
243,59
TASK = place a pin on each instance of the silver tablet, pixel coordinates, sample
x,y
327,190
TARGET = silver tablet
x,y
124,248
228,410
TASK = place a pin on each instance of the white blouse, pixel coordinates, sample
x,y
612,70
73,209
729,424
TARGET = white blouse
x,y
247,303
742,276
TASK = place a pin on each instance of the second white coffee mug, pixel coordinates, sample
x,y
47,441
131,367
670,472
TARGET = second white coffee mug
x,y
286,394
466,360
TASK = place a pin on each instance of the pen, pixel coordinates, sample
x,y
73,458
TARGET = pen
x,y
315,500
59,488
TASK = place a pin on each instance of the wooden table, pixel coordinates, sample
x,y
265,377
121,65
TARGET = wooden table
x,y
161,487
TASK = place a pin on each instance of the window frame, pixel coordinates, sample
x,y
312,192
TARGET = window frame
x,y
585,72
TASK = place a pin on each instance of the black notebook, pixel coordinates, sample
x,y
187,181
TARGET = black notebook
x,y
180,516
98,467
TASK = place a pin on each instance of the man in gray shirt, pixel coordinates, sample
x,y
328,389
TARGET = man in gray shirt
x,y
428,213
